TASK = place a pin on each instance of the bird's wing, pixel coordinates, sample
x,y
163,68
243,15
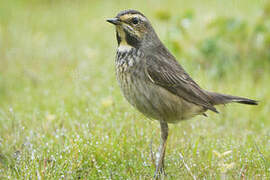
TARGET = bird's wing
x,y
170,75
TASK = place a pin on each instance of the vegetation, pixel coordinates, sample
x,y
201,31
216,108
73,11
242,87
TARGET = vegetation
x,y
62,115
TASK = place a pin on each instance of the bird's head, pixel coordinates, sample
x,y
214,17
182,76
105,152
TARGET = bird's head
x,y
133,29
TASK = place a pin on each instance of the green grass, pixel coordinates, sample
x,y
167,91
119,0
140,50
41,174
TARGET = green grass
x,y
62,115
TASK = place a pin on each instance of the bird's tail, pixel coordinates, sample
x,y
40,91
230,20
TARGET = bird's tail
x,y
218,98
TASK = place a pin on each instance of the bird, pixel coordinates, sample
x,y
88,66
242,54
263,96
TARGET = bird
x,y
154,82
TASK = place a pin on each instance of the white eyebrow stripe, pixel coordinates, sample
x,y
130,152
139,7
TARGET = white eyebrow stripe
x,y
128,16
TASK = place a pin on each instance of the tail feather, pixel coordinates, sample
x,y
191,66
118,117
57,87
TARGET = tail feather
x,y
218,98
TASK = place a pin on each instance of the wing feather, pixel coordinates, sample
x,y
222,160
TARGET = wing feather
x,y
171,76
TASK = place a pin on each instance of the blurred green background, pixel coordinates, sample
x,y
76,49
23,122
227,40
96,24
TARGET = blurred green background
x,y
62,115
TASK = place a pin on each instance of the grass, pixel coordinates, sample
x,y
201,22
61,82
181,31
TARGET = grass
x,y
62,115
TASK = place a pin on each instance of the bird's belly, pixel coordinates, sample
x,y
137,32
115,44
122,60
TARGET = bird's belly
x,y
154,101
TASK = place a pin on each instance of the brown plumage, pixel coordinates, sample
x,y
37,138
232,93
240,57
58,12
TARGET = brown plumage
x,y
154,82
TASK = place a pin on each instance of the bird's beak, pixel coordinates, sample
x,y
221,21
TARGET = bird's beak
x,y
115,21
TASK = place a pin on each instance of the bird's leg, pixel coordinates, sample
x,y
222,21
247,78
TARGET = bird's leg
x,y
161,154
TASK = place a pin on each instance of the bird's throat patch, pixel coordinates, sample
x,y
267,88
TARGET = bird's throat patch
x,y
124,38
118,38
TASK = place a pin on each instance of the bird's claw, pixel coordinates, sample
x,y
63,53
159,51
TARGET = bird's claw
x,y
160,173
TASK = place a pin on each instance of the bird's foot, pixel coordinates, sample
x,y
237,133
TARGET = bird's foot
x,y
160,173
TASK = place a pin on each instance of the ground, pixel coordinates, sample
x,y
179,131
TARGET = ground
x,y
62,115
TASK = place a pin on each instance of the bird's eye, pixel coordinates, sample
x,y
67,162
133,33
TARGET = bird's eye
x,y
135,20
